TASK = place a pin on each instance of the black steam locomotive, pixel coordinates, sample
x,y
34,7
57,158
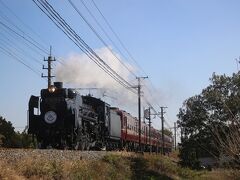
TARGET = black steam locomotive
x,y
62,118
67,119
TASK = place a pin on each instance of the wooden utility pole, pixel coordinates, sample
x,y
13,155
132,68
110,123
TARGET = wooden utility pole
x,y
175,136
149,124
139,109
49,68
162,118
147,115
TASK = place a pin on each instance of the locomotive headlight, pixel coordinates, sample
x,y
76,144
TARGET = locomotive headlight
x,y
50,117
52,89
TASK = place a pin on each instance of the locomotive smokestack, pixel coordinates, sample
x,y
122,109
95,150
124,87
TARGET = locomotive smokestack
x,y
58,85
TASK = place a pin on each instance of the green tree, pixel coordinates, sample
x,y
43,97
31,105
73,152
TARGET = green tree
x,y
1,139
167,132
210,121
11,139
7,132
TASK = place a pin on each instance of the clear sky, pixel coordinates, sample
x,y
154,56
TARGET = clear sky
x,y
178,43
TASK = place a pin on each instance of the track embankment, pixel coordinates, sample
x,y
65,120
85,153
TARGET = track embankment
x,y
100,165
50,154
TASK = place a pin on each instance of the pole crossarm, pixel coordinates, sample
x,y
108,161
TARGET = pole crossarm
x,y
49,68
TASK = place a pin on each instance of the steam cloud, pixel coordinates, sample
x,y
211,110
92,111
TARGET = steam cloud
x,y
79,71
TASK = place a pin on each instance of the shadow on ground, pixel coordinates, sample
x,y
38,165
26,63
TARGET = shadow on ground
x,y
141,172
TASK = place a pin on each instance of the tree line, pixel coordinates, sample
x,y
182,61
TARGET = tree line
x,y
11,139
210,122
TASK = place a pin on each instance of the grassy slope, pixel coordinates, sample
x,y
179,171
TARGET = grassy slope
x,y
112,166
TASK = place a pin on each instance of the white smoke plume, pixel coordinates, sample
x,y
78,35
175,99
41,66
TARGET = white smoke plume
x,y
79,71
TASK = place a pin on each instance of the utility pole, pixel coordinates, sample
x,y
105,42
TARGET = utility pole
x,y
147,115
139,109
162,118
49,68
175,135
149,124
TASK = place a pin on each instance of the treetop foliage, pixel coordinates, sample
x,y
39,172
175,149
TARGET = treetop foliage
x,y
210,121
10,138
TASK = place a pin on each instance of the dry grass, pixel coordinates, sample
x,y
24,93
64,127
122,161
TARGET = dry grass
x,y
110,167
117,165
7,172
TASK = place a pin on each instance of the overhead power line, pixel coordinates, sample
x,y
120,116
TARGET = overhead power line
x,y
155,112
4,16
47,9
11,44
12,37
15,57
90,53
24,24
19,29
117,37
126,49
26,39
55,17
105,33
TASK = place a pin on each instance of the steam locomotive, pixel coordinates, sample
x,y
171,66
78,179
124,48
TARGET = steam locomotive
x,y
62,118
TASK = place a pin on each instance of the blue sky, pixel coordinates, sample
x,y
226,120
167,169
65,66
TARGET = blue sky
x,y
178,43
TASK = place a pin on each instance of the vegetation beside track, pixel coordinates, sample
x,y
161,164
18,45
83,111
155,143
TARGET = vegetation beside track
x,y
113,165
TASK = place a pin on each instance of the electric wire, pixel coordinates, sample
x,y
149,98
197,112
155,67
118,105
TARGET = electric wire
x,y
91,50
99,37
15,57
10,29
8,20
65,31
154,99
19,49
34,43
88,53
4,16
117,37
47,9
23,33
124,47
38,43
166,121
8,43
109,37
77,40
8,33
156,112
2,41
23,23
